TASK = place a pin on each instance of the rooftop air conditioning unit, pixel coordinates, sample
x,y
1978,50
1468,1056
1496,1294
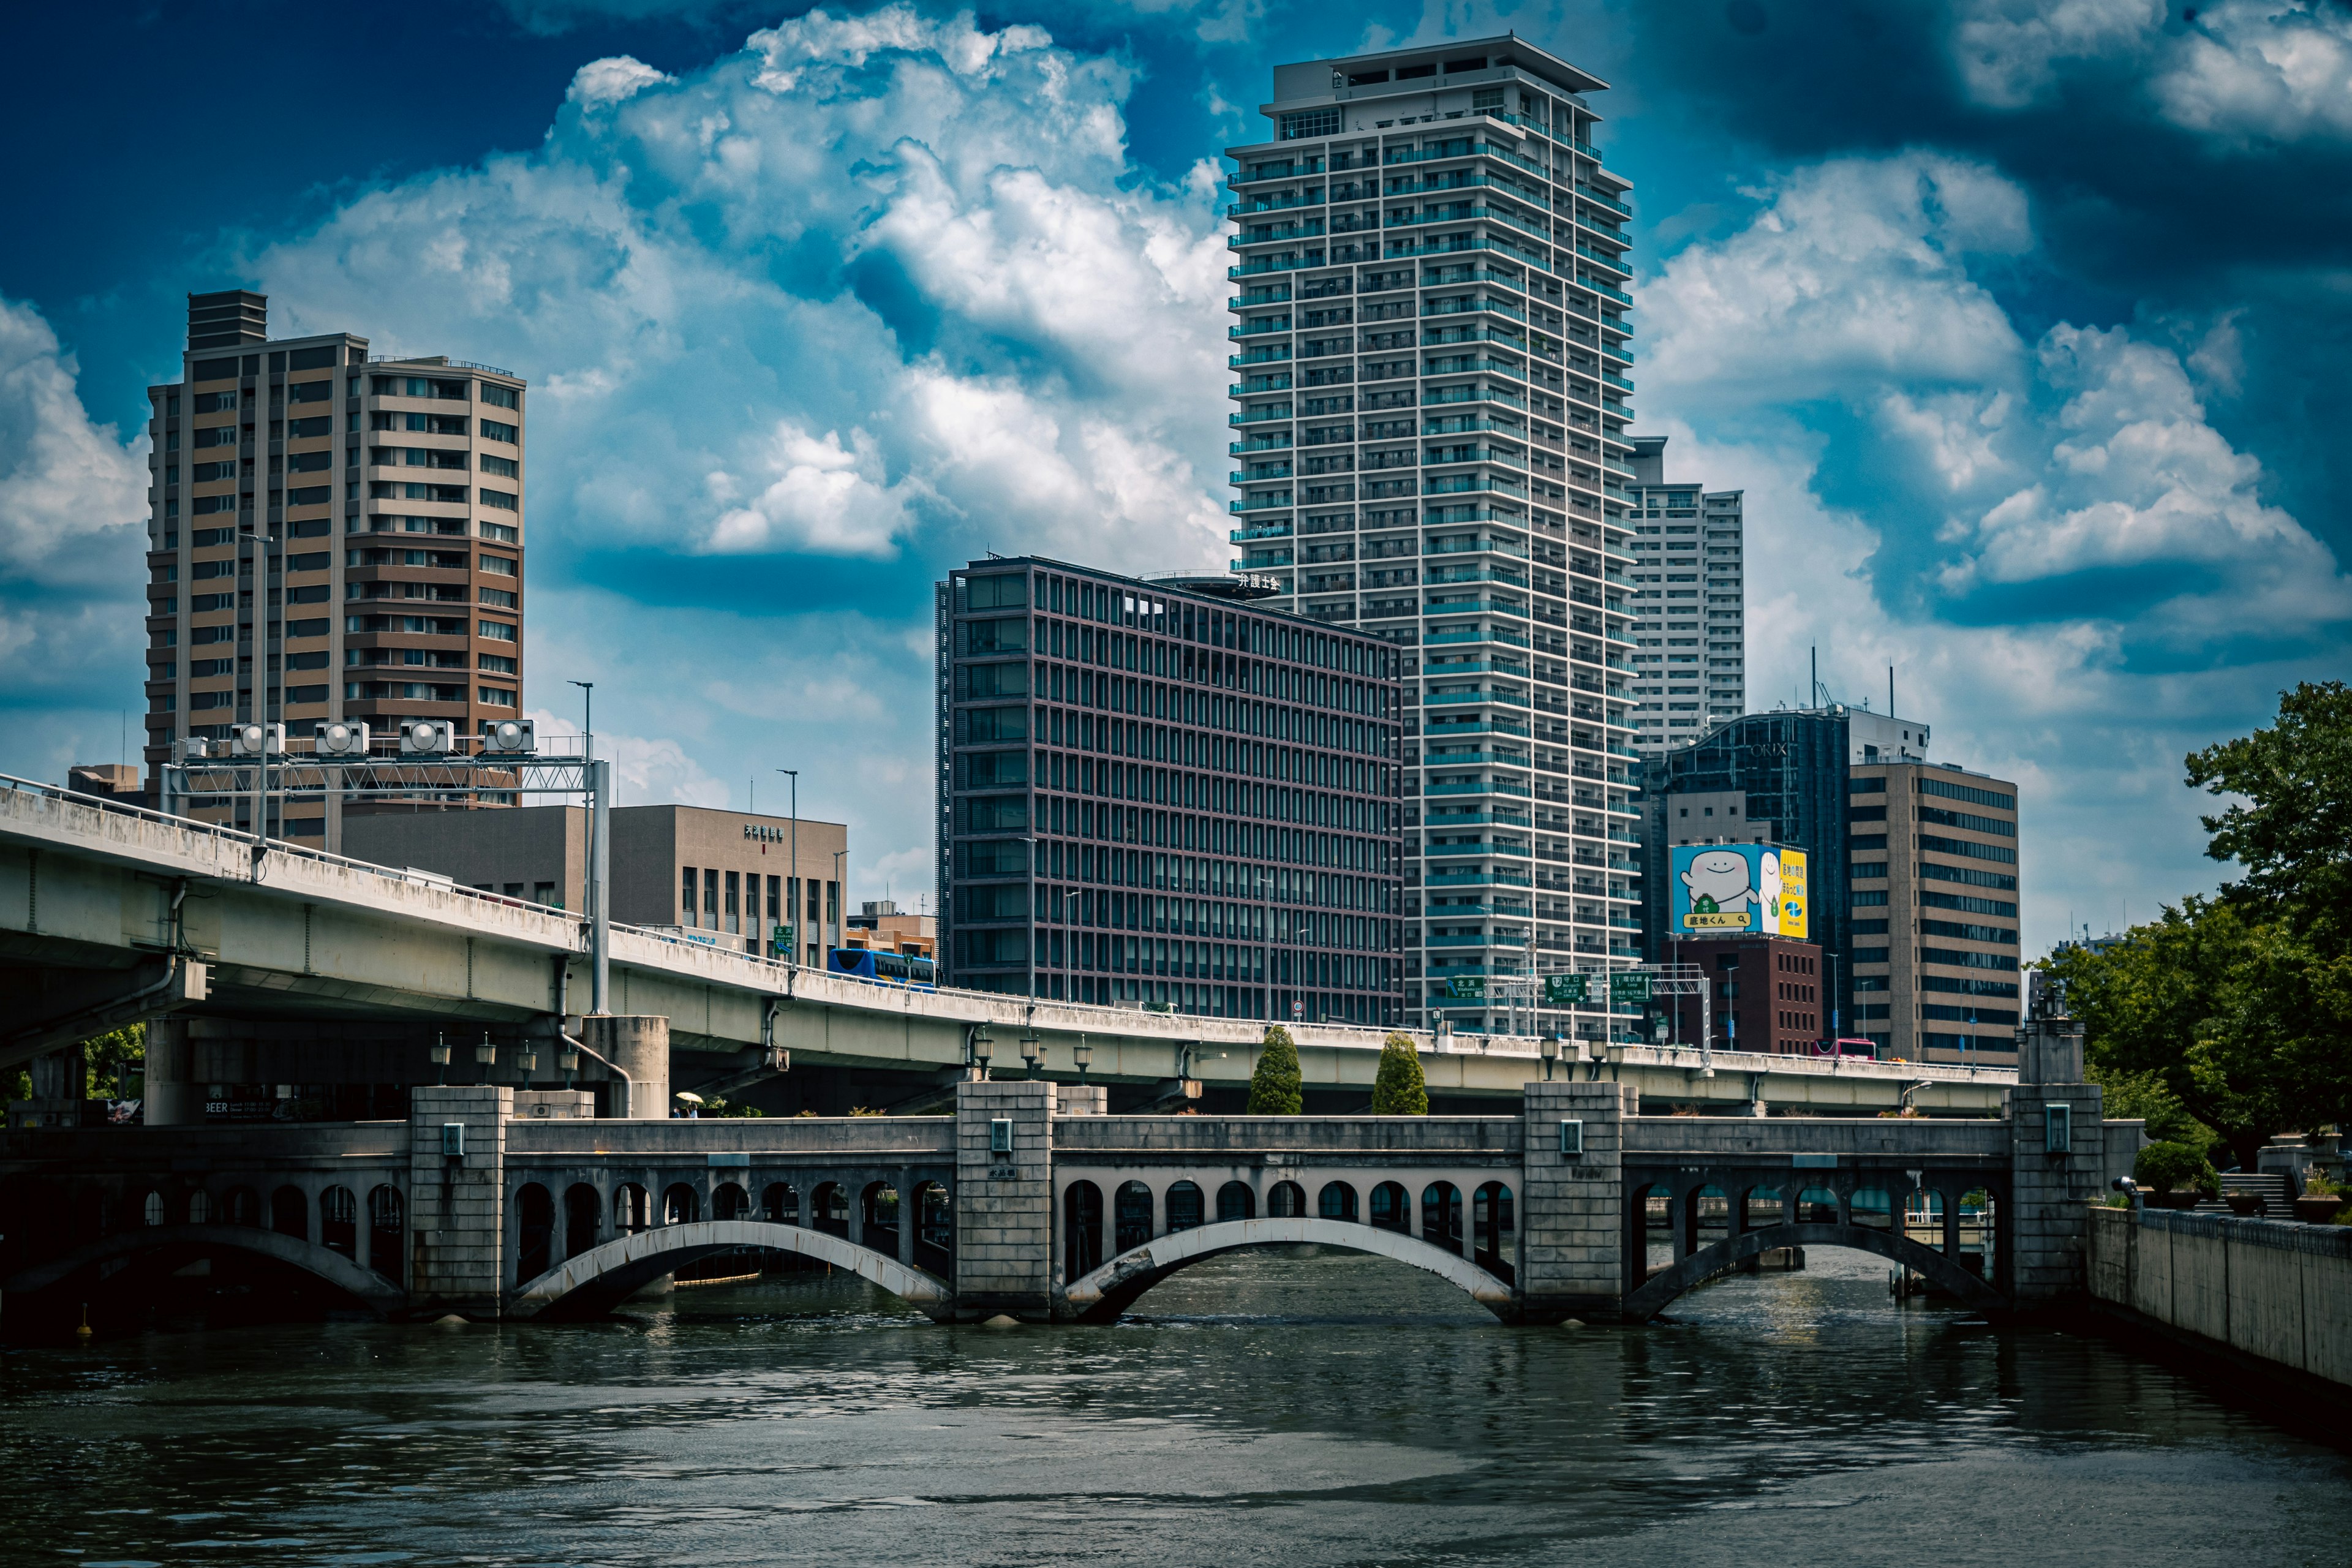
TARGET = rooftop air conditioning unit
x,y
341,738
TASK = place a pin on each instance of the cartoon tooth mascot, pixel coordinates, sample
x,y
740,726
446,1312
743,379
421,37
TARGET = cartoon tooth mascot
x,y
1771,900
1717,882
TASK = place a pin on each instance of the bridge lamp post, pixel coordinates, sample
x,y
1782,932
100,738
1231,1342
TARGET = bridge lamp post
x,y
1033,1050
1083,1053
983,1046
486,1055
440,1054
1550,1048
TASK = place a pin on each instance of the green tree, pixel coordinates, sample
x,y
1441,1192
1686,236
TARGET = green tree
x,y
1275,1086
2240,1006
2291,831
1398,1090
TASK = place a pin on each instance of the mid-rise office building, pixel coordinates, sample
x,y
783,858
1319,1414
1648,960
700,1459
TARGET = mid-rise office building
x,y
1689,604
1430,431
1934,870
1778,778
723,877
331,536
1165,793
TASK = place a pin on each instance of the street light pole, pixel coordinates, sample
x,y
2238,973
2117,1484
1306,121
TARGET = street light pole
x,y
793,881
841,897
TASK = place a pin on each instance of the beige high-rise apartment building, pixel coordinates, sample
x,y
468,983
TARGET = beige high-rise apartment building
x,y
1935,963
331,536
1430,427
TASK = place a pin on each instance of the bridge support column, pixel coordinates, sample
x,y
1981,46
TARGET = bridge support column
x,y
1572,1232
639,1046
171,1099
2041,1229
1004,1202
457,1201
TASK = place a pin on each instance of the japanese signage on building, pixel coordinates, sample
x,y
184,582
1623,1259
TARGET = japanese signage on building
x,y
1721,890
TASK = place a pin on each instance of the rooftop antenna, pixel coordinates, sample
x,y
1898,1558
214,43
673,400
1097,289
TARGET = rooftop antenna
x,y
1890,691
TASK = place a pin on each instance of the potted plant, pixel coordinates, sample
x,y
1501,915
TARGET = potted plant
x,y
2321,1197
2245,1206
2175,1175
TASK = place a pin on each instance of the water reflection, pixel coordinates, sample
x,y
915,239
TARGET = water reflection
x,y
1305,1408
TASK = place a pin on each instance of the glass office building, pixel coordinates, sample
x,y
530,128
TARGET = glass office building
x,y
1162,793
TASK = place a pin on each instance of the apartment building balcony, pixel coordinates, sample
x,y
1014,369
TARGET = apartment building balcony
x,y
1258,328
1260,384
1271,500
1479,787
1583,281
1460,699
1274,443
1473,634
1501,878
1452,306
1271,354
1259,531
1276,234
1239,210
1259,415
1258,266
1482,939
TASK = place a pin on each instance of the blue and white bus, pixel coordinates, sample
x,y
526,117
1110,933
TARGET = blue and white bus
x,y
885,968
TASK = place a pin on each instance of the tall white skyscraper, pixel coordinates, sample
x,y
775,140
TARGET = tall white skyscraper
x,y
1430,356
1691,673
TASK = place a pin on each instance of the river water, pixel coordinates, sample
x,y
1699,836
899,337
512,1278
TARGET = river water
x,y
1328,1409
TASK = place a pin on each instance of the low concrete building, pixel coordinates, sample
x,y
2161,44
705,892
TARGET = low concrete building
x,y
723,876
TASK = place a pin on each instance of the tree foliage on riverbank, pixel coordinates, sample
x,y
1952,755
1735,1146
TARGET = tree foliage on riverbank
x,y
2238,1007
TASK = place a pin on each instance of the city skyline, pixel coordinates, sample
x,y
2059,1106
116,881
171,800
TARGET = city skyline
x,y
1977,442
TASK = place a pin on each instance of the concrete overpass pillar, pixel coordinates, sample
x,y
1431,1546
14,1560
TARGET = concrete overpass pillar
x,y
1572,1204
639,1046
171,1099
1004,1200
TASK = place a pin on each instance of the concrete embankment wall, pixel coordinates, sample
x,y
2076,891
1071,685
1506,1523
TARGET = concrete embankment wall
x,y
2269,1293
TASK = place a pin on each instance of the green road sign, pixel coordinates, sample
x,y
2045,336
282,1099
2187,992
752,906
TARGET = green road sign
x,y
1629,990
1466,987
1566,990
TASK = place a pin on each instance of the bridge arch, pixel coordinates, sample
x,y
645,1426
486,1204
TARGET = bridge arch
x,y
603,1276
1101,1296
379,1294
1661,1289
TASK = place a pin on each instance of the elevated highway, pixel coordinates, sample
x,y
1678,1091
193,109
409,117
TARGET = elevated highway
x,y
109,912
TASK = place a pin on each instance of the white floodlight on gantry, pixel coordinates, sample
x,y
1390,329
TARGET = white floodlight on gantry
x,y
341,738
427,737
257,740
511,738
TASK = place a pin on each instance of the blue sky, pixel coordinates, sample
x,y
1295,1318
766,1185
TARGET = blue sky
x,y
2022,326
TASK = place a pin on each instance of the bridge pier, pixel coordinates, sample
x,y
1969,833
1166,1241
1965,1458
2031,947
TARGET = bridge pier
x,y
637,1047
1571,1210
456,1192
1004,1200
172,1100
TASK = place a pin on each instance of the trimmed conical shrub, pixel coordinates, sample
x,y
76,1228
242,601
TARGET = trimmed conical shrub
x,y
1400,1090
1275,1086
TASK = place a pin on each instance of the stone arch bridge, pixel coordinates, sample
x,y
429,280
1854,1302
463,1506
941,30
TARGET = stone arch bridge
x,y
500,1203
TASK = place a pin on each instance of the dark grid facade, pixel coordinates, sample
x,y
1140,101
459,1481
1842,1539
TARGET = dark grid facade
x,y
1155,795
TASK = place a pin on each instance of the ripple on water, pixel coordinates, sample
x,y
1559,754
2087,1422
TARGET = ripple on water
x,y
1331,1409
